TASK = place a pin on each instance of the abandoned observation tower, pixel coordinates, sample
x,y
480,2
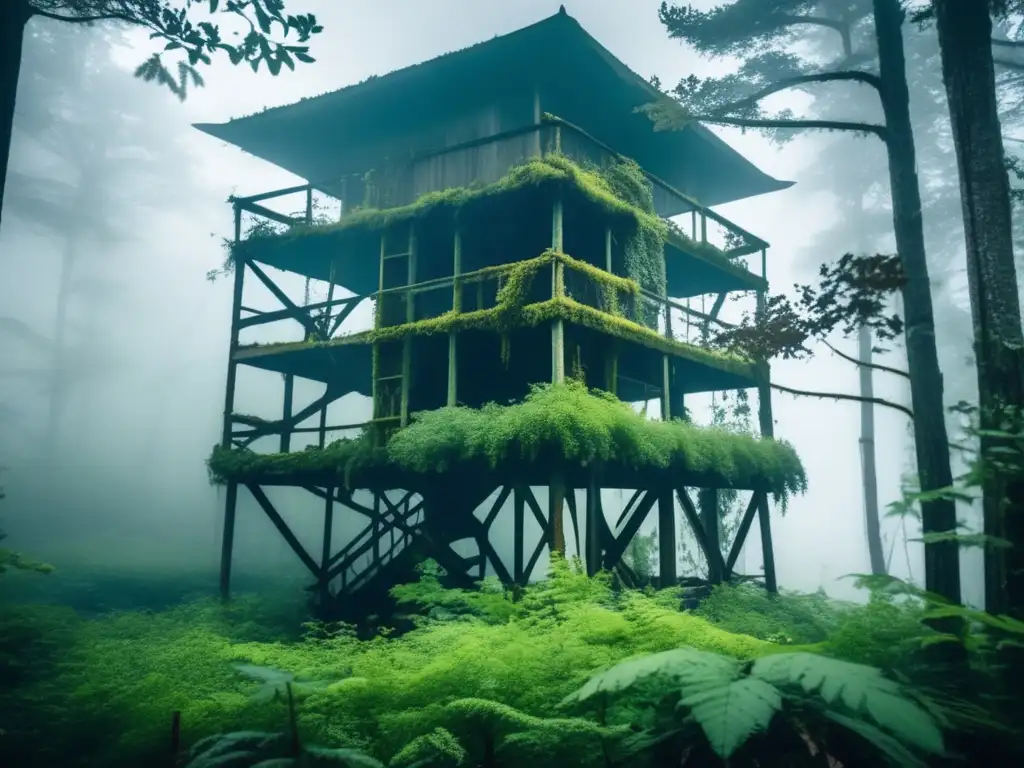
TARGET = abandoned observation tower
x,y
504,210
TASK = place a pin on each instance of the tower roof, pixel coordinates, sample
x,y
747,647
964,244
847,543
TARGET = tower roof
x,y
576,77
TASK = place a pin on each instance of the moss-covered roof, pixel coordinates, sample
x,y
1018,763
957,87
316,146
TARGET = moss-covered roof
x,y
555,423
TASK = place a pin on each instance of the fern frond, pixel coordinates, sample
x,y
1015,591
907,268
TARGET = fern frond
x,y
858,688
731,714
698,670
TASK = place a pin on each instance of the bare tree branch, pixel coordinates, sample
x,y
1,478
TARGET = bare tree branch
x,y
862,364
838,396
1017,66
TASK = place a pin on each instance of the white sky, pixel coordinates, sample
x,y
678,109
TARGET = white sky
x,y
820,539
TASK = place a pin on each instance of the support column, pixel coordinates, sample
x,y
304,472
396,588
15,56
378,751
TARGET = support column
x,y
231,498
667,576
453,360
286,412
767,425
594,513
556,507
325,556
518,537
557,291
410,317
707,501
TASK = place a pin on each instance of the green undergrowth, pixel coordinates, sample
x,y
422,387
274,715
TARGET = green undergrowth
x,y
106,696
561,422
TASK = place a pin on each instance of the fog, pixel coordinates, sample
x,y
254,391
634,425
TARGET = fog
x,y
109,176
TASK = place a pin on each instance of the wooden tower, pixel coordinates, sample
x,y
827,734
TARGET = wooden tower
x,y
490,214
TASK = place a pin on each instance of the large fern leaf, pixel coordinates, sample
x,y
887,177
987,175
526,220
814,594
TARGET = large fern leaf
x,y
729,714
858,688
685,666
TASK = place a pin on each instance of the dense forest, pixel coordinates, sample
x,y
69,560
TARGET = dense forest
x,y
113,650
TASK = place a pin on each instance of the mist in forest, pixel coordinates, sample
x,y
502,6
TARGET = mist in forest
x,y
113,341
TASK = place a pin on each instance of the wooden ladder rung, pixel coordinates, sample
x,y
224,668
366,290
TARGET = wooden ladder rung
x,y
389,378
397,255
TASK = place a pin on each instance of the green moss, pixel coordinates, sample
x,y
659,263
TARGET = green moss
x,y
620,190
510,312
564,421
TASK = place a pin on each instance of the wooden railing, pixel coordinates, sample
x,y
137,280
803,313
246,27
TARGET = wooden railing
x,y
488,159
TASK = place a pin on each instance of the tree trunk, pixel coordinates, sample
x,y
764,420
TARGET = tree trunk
x,y
873,528
965,30
14,14
942,559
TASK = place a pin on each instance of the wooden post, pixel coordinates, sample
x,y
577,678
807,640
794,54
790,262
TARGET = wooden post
x,y
594,513
666,389
666,539
325,552
231,498
286,413
453,360
556,505
767,426
518,537
410,317
608,263
537,115
707,501
557,290
227,543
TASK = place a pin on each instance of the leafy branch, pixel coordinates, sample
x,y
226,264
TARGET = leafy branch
x,y
198,41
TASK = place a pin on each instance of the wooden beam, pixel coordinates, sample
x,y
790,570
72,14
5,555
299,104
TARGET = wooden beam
x,y
666,539
618,545
497,505
269,195
286,412
453,347
298,314
557,291
713,556
709,511
570,502
518,533
267,213
593,539
629,506
556,500
227,543
283,529
741,534
325,552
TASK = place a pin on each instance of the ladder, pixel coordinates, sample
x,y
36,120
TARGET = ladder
x,y
392,360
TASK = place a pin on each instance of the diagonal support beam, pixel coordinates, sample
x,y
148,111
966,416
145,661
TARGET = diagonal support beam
x,y
618,545
283,529
716,567
301,315
741,534
570,502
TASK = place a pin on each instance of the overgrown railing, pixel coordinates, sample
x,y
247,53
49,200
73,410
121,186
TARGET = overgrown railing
x,y
486,160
